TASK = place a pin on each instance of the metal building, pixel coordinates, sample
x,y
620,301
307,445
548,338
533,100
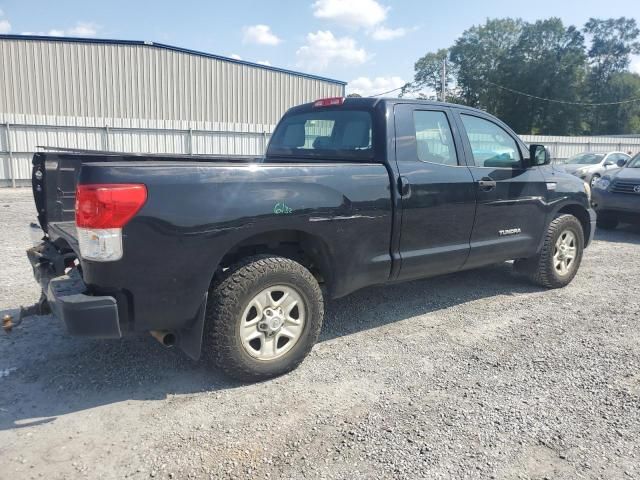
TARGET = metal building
x,y
562,148
137,97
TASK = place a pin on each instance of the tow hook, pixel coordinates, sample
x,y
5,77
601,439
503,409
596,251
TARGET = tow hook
x,y
41,307
7,323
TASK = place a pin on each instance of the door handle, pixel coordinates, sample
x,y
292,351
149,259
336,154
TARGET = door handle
x,y
487,184
404,186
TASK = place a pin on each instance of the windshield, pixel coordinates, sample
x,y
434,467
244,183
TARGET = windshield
x,y
586,158
330,133
634,162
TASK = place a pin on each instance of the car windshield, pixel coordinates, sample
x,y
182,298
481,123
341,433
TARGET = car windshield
x,y
586,158
330,133
634,162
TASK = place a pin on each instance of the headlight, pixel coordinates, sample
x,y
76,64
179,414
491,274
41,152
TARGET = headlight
x,y
602,184
587,190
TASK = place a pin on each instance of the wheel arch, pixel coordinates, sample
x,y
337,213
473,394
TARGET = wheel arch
x,y
581,213
308,249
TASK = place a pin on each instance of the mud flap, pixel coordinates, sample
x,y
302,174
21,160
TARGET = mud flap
x,y
190,339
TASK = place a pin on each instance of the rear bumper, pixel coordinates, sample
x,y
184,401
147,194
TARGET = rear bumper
x,y
83,314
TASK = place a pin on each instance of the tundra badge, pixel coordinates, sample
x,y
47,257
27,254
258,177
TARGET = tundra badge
x,y
510,231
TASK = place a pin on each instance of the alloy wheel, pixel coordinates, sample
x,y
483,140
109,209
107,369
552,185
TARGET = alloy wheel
x,y
272,322
565,252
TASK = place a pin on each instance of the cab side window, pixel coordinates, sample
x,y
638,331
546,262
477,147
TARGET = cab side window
x,y
433,138
491,145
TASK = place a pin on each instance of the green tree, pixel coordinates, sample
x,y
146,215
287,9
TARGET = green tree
x,y
477,56
541,77
613,41
428,75
547,62
623,118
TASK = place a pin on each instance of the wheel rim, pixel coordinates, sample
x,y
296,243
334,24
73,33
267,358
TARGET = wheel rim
x,y
594,179
272,322
565,251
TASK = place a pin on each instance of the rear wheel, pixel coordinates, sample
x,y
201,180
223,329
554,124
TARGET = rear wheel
x,y
560,256
263,318
607,222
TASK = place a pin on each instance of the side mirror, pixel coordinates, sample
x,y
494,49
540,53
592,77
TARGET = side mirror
x,y
608,163
538,155
621,163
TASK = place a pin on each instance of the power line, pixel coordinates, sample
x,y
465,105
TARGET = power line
x,y
565,102
390,91
518,92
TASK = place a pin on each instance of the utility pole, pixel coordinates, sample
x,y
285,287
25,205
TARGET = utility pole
x,y
444,80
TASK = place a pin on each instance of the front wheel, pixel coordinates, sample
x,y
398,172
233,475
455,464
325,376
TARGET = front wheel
x,y
263,318
594,179
560,256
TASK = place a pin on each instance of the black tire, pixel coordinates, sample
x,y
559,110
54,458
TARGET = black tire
x,y
230,296
606,222
540,269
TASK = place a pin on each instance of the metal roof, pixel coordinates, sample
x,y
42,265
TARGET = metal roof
x,y
166,47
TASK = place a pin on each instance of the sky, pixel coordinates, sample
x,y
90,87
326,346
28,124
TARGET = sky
x,y
372,44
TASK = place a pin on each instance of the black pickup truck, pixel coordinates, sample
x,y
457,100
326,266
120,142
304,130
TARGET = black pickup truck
x,y
234,257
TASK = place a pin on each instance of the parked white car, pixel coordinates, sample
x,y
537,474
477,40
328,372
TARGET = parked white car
x,y
591,166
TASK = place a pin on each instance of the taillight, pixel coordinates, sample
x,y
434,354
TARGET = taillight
x,y
329,102
108,206
101,212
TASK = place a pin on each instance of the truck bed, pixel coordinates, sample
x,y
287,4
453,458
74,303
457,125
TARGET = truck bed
x,y
198,211
62,167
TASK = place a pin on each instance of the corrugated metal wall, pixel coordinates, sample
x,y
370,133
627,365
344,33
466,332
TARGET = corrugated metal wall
x,y
131,96
562,148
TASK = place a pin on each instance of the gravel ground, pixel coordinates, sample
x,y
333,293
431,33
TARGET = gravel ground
x,y
472,375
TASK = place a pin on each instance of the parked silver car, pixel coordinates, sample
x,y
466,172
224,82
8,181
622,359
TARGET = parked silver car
x,y
591,166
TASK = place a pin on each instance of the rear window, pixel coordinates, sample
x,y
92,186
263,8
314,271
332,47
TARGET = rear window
x,y
343,134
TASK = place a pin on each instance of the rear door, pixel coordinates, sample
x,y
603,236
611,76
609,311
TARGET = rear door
x,y
438,193
511,211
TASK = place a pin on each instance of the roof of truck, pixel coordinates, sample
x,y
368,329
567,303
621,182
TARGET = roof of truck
x,y
373,101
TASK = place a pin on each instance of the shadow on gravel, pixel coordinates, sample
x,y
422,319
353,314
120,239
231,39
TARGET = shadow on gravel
x,y
44,373
378,306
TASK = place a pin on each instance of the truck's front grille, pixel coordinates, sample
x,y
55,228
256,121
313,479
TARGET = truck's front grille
x,y
621,186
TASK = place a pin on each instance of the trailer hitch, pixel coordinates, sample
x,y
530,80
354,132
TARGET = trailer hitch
x,y
41,307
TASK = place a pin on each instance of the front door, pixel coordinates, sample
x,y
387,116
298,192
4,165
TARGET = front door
x,y
511,214
439,199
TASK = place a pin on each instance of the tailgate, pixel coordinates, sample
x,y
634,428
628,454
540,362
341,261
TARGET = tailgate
x,y
54,177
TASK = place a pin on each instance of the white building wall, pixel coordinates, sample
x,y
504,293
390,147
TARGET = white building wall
x,y
564,147
137,97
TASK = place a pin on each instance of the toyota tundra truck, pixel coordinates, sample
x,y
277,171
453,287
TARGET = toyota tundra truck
x,y
232,259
